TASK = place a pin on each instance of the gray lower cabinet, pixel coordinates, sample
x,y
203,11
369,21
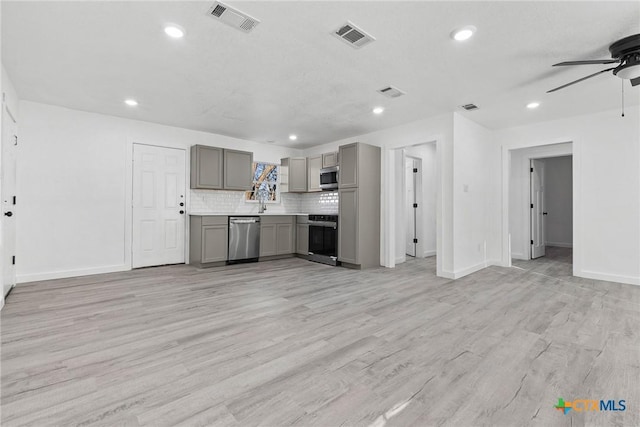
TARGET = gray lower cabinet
x,y
206,167
314,164
214,168
208,242
348,226
238,167
277,235
302,239
284,239
268,242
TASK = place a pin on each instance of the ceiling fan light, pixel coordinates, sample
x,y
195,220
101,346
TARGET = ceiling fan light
x,y
629,71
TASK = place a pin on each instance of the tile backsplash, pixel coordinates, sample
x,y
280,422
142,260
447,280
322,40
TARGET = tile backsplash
x,y
223,202
325,202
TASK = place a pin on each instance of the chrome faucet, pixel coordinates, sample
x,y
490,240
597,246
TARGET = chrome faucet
x,y
262,205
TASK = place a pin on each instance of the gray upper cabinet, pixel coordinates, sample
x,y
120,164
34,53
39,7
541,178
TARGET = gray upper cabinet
x,y
314,164
214,168
330,159
294,175
206,167
238,167
348,176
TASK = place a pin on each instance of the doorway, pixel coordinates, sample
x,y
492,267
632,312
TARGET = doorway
x,y
412,202
8,156
415,199
159,212
552,207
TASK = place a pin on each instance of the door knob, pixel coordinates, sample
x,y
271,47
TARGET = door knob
x,y
181,212
8,213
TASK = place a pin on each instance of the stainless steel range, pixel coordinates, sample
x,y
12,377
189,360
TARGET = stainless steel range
x,y
323,239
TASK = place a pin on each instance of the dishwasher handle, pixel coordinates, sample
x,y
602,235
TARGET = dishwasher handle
x,y
243,220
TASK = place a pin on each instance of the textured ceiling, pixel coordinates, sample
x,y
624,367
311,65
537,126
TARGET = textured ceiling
x,y
291,76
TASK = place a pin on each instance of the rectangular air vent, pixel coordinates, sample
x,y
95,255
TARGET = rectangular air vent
x,y
352,35
391,92
469,107
232,17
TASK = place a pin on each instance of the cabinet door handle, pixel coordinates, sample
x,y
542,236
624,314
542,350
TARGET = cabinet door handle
x,y
8,213
181,212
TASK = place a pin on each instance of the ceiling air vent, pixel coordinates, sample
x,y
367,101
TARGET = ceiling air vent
x,y
353,36
391,92
469,107
232,17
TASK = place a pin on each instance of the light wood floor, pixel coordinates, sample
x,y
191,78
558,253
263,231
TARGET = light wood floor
x,y
297,343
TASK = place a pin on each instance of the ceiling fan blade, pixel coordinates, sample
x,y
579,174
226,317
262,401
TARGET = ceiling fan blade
x,y
635,82
587,62
579,80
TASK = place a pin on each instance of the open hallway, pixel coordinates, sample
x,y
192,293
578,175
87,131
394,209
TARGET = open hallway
x,y
307,344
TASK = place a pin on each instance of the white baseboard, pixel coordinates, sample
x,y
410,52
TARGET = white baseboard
x,y
629,280
559,244
518,255
38,277
466,271
446,275
427,254
400,259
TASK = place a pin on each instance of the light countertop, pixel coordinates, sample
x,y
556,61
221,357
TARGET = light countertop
x,y
249,214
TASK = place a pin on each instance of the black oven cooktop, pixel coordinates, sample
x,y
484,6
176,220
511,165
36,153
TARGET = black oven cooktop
x,y
323,239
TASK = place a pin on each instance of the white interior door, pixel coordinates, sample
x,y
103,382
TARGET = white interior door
x,y
537,208
8,234
158,205
410,210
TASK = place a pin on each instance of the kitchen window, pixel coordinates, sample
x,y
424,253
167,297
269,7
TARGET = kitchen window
x,y
265,183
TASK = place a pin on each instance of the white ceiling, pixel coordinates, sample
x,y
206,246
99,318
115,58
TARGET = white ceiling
x,y
291,76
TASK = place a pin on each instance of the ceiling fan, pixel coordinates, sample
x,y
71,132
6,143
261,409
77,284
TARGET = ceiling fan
x,y
625,52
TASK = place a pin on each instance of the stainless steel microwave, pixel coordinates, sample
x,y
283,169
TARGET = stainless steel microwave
x,y
329,178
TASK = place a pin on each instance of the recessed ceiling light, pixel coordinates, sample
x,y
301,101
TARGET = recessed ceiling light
x,y
174,31
378,110
533,105
293,137
131,102
464,33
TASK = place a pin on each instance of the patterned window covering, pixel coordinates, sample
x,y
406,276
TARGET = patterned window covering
x,y
265,183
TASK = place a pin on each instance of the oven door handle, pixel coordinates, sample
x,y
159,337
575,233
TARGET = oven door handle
x,y
324,223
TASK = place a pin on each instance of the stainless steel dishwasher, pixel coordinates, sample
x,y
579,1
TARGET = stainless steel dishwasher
x,y
244,239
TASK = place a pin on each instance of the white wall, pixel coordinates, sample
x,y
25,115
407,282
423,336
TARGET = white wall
x,y
606,184
519,183
558,194
476,193
74,182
